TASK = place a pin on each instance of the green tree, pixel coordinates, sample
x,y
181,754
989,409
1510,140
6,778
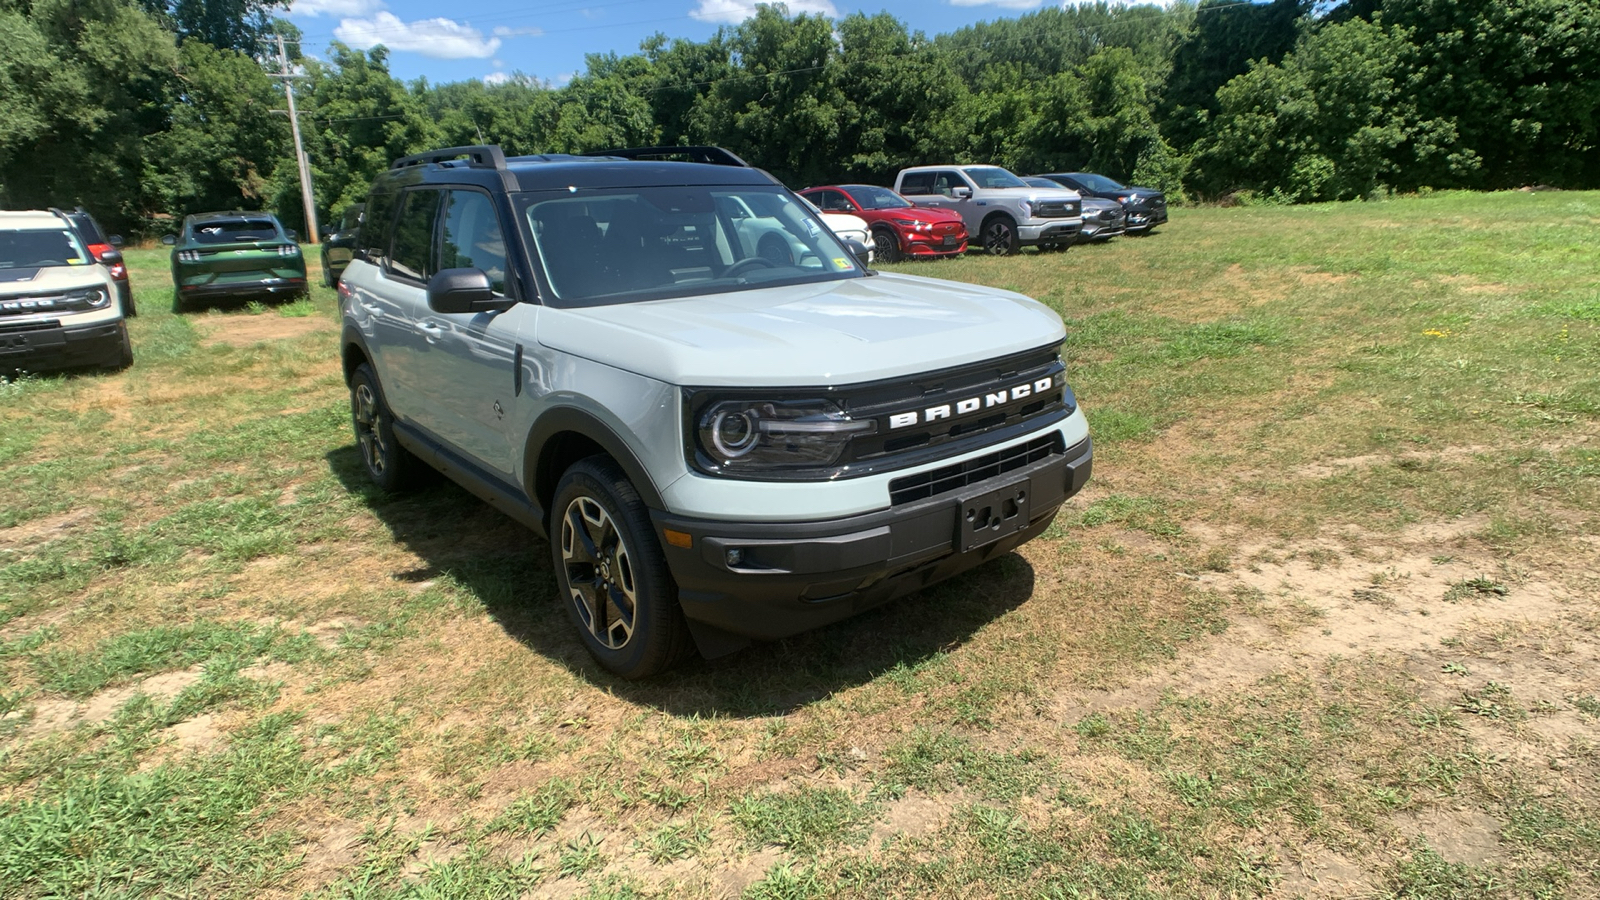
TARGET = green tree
x,y
226,136
1227,37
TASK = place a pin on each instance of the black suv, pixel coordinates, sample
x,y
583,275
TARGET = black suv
x,y
1146,207
339,245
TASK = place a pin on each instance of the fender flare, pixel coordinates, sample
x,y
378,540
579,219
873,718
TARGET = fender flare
x,y
582,422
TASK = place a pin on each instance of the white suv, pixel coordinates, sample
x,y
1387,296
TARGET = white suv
x,y
720,444
1004,212
58,306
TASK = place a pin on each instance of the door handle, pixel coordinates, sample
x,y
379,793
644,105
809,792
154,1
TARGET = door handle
x,y
430,330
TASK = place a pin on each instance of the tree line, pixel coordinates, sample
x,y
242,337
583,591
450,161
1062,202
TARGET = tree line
x,y
141,109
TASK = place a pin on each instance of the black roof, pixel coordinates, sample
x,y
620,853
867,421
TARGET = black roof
x,y
487,166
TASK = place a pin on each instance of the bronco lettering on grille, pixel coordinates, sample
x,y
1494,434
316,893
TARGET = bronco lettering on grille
x,y
971,404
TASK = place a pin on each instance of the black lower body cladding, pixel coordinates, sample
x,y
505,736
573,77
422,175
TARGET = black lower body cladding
x,y
772,580
50,349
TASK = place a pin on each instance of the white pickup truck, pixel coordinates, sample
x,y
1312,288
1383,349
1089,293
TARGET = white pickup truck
x,y
1003,211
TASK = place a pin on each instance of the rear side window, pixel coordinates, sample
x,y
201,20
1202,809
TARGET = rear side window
x,y
472,237
377,227
413,235
917,183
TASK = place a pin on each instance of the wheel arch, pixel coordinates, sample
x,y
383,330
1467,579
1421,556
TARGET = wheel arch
x,y
352,352
566,434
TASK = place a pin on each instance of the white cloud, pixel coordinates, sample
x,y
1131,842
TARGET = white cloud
x,y
435,38
503,31
494,78
732,12
334,7
1003,4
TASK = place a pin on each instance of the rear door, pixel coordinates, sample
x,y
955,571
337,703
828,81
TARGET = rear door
x,y
399,300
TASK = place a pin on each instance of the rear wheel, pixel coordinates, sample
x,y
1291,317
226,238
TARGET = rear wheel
x,y
389,465
611,573
885,246
999,236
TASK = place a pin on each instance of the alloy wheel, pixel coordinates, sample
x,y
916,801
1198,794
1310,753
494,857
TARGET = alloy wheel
x,y
369,433
599,572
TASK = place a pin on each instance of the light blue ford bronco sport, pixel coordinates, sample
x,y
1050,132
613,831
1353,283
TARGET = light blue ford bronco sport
x,y
721,444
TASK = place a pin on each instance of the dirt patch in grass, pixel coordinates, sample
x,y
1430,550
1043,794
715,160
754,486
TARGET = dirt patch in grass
x,y
1460,835
42,531
58,715
246,330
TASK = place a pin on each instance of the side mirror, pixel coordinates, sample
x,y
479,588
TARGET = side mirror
x,y
115,240
325,236
961,193
293,235
169,239
111,257
859,251
464,291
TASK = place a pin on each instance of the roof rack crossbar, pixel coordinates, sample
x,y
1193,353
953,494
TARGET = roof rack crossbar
x,y
483,156
715,156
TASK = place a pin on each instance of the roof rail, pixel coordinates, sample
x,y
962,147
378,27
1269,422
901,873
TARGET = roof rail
x,y
482,156
715,156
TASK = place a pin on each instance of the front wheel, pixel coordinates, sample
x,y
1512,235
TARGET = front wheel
x,y
611,573
885,246
999,236
389,465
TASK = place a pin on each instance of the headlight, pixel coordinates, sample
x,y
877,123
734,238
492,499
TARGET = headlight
x,y
1027,209
740,435
913,224
94,298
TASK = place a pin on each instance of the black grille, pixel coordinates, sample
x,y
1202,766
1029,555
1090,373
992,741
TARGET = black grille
x,y
1055,209
912,488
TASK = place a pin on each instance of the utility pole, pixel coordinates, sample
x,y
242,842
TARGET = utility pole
x,y
299,152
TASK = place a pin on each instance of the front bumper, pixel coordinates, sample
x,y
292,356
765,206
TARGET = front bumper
x,y
921,244
1062,232
1144,219
62,347
769,580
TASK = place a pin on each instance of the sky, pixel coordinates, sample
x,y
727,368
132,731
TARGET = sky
x,y
546,40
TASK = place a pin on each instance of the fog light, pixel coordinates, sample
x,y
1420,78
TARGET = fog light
x,y
735,557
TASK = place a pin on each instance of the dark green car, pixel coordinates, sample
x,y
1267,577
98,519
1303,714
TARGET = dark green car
x,y
339,246
234,255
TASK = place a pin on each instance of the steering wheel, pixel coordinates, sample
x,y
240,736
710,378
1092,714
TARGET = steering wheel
x,y
749,262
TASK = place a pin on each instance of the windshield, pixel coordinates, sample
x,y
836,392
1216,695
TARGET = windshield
x,y
35,249
235,231
1036,181
1098,183
634,244
993,177
869,197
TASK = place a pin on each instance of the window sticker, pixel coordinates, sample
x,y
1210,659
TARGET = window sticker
x,y
841,263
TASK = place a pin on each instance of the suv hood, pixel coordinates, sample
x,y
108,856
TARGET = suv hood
x,y
48,279
835,333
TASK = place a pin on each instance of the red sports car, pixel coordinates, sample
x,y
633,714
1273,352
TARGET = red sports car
x,y
900,228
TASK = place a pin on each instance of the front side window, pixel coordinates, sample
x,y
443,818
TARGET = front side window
x,y
878,198
945,183
36,249
597,248
993,177
235,231
413,235
832,201
472,238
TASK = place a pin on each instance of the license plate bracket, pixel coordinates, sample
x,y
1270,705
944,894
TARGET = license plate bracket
x,y
987,517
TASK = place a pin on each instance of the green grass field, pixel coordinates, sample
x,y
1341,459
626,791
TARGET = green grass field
x,y
1324,624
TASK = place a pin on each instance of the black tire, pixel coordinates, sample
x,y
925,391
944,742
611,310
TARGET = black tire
x,y
611,575
885,245
775,250
999,236
177,301
389,465
124,357
125,297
